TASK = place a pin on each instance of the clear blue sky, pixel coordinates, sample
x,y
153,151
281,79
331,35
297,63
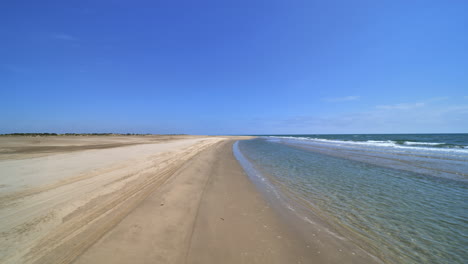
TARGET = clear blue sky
x,y
234,67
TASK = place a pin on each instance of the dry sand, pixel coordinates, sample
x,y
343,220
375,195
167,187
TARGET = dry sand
x,y
150,199
54,206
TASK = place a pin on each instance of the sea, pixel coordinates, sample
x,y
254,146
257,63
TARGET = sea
x,y
402,198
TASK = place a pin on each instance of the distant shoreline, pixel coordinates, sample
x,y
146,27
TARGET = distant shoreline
x,y
87,134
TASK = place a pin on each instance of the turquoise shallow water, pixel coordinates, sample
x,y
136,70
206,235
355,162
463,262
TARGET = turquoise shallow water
x,y
404,204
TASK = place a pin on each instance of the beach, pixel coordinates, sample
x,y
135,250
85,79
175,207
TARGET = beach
x,y
144,199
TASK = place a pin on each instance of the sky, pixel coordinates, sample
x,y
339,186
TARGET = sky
x,y
234,67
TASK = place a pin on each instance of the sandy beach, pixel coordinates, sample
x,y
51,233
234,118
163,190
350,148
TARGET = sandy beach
x,y
143,199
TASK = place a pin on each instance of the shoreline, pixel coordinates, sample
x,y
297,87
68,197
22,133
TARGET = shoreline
x,y
191,202
331,243
365,200
208,213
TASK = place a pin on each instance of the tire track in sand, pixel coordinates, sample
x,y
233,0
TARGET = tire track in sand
x,y
85,224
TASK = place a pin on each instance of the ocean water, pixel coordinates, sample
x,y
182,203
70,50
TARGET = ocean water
x,y
402,198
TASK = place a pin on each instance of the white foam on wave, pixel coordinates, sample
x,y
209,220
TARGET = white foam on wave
x,y
377,143
411,143
290,207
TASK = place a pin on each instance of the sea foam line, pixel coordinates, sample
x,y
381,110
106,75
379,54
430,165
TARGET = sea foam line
x,y
257,177
408,145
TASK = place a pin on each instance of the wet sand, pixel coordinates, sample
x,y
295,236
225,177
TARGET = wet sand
x,y
177,200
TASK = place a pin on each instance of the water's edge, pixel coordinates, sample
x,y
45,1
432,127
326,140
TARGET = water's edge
x,y
400,206
306,221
